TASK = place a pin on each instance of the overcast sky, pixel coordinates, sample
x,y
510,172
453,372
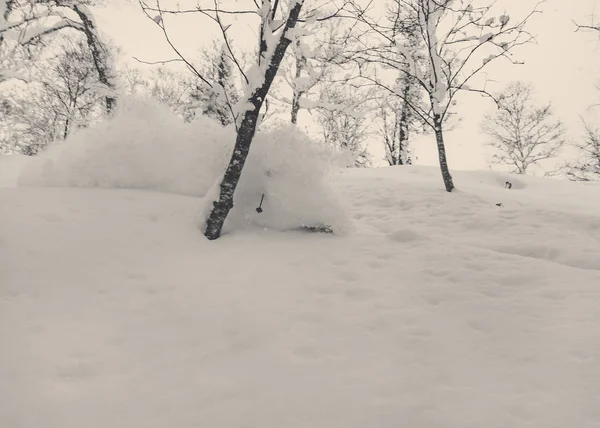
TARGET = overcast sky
x,y
563,66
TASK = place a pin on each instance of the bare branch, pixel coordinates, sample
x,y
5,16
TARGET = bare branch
x,y
157,62
160,23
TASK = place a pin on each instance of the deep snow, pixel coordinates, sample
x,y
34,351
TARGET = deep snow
x,y
438,310
424,310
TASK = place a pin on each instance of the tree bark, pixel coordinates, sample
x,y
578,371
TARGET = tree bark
x,y
403,131
300,64
66,129
245,135
232,176
439,138
295,107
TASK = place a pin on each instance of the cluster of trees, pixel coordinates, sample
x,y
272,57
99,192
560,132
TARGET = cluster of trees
x,y
524,134
360,74
55,72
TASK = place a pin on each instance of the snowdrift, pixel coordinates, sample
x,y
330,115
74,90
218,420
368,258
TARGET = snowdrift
x,y
146,146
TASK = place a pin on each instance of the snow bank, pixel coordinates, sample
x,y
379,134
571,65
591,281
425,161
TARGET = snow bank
x,y
146,146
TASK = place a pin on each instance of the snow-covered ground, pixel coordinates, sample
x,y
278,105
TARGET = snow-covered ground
x,y
430,310
438,310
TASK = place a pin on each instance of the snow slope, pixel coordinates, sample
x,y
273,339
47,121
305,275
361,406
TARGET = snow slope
x,y
438,311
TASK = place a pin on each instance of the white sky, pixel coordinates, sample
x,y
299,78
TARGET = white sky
x,y
564,66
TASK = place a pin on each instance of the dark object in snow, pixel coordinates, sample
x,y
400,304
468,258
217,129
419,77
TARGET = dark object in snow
x,y
508,185
259,209
321,228
499,204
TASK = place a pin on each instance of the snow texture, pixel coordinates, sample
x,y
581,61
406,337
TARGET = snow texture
x,y
146,146
438,311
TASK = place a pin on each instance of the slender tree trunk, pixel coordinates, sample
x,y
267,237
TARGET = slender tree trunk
x,y
245,135
99,56
66,129
300,63
401,141
232,175
439,138
295,107
403,132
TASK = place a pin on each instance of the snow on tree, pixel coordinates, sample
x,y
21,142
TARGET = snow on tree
x,y
522,133
62,96
346,128
25,24
276,23
443,45
216,102
317,53
396,121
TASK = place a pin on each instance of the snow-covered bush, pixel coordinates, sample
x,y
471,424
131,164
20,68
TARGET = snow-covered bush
x,y
146,146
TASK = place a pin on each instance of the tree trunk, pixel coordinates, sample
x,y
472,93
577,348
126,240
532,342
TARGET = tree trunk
x,y
403,132
439,138
300,63
245,135
295,107
221,209
99,56
66,129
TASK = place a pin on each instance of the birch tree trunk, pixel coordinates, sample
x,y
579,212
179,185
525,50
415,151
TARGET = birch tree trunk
x,y
439,138
245,135
300,64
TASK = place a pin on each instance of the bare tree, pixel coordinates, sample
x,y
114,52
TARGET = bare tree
x,y
397,122
522,133
217,102
60,98
28,23
72,81
443,45
587,166
317,55
344,124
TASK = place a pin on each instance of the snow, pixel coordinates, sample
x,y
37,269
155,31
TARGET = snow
x,y
146,146
486,37
434,310
10,168
430,22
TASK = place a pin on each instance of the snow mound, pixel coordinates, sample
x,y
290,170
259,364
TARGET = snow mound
x,y
146,146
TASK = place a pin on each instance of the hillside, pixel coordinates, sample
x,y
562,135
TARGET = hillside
x,y
427,310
